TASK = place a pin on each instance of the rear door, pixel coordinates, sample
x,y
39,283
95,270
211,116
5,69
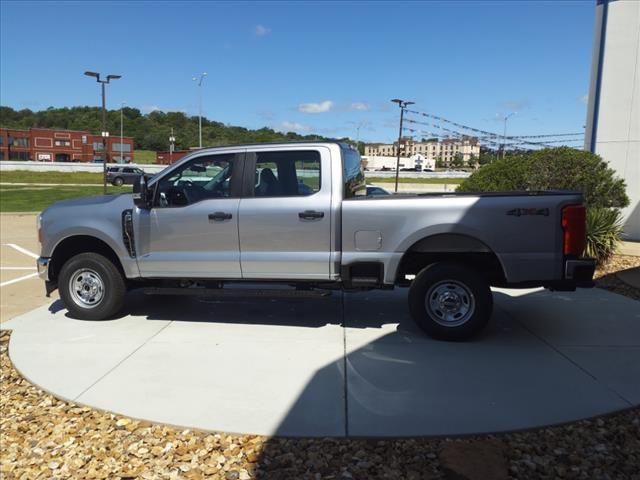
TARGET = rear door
x,y
285,215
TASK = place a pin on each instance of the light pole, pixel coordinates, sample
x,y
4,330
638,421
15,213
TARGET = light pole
x,y
122,104
504,133
172,141
403,104
105,134
199,79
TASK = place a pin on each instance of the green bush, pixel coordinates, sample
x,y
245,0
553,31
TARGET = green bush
x,y
563,169
550,169
604,226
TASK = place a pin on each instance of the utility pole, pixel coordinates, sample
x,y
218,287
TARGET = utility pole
x,y
122,104
504,133
403,104
199,80
172,141
105,134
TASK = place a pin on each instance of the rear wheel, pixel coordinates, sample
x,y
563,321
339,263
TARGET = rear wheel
x,y
118,181
91,287
450,302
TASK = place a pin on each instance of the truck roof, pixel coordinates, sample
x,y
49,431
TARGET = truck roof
x,y
340,143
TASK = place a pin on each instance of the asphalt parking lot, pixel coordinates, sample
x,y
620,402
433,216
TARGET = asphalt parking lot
x,y
20,288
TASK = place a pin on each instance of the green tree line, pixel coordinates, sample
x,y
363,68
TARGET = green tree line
x,y
150,131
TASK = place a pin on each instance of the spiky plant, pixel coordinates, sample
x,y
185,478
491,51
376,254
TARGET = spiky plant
x,y
604,226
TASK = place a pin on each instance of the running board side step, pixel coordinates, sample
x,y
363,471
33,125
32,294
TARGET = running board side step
x,y
236,292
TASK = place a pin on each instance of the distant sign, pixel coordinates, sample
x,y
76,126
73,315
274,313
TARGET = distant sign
x,y
44,157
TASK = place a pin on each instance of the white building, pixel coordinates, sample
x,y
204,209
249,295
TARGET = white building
x,y
417,161
613,115
444,151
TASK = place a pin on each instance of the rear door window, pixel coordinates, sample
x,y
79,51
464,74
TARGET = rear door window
x,y
287,173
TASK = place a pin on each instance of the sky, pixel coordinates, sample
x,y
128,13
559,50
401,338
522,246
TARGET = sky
x,y
309,67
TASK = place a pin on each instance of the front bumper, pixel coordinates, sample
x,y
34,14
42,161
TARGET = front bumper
x,y
43,268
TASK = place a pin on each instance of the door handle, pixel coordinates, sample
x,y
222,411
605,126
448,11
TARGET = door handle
x,y
310,215
220,216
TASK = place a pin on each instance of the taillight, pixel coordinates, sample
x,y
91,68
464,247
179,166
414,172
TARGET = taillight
x,y
574,225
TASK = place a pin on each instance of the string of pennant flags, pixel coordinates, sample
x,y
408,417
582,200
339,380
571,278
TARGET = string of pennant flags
x,y
488,137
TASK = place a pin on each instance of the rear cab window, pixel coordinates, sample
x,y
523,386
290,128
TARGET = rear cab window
x,y
355,184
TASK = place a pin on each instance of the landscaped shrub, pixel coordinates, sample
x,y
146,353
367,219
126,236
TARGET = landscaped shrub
x,y
604,226
552,169
563,169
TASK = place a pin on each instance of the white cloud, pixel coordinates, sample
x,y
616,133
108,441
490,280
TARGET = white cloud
x,y
261,30
515,104
316,107
585,98
149,108
359,106
292,127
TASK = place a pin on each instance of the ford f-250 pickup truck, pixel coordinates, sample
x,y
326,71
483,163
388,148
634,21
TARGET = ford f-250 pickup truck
x,y
298,214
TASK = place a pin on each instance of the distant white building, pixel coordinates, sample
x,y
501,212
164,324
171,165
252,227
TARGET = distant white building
x,y
418,162
444,151
613,115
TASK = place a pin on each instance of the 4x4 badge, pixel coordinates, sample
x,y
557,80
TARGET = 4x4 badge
x,y
518,212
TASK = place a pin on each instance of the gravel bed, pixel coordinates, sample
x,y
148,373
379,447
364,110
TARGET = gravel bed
x,y
606,278
43,437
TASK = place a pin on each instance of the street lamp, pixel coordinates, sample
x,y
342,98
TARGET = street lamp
x,y
504,132
105,134
122,104
403,104
172,141
199,79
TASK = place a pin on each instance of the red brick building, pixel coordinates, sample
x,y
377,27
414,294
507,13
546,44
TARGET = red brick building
x,y
167,158
51,145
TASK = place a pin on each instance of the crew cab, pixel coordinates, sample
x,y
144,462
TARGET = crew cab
x,y
299,214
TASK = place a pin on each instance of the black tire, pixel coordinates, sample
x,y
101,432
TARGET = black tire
x,y
100,271
457,289
118,181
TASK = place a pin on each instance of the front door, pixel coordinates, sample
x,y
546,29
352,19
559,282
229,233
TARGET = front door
x,y
192,229
285,217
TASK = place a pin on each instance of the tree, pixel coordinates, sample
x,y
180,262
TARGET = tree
x,y
458,160
150,131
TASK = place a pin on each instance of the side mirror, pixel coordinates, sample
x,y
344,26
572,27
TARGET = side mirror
x,y
141,195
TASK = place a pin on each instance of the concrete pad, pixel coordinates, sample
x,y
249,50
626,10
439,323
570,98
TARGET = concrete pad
x,y
400,384
631,276
581,318
348,364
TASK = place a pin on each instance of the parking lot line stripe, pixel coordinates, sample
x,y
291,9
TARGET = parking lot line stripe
x,y
19,279
21,250
17,268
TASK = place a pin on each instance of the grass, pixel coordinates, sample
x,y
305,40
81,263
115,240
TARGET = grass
x,y
35,199
435,181
144,156
26,176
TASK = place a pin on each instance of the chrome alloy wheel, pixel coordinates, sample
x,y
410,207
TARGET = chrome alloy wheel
x,y
450,303
86,288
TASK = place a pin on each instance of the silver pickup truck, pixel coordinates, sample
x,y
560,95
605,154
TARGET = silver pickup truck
x,y
298,214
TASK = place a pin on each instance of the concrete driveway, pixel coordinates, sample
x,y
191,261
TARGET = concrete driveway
x,y
350,364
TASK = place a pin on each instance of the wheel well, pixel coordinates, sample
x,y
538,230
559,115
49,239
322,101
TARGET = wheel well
x,y
456,248
72,246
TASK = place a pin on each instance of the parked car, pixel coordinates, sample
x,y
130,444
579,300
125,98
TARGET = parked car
x,y
123,175
373,190
238,214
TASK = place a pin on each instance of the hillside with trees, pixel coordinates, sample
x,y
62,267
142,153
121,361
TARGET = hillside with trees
x,y
150,131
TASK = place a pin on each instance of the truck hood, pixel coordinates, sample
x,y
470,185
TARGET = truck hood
x,y
98,200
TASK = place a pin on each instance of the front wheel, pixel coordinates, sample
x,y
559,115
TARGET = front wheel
x,y
450,302
91,287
